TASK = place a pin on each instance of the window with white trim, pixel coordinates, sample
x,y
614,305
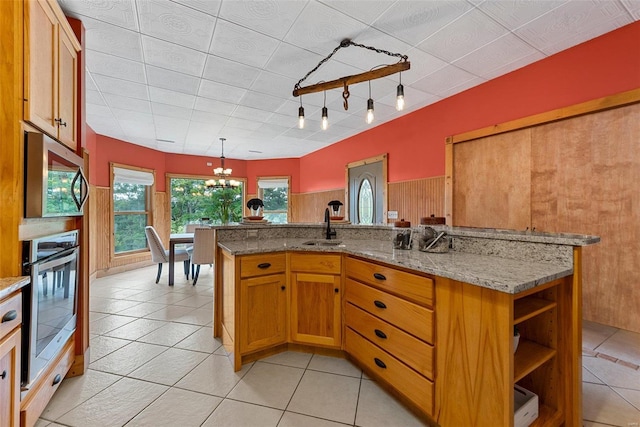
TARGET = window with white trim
x,y
274,193
131,195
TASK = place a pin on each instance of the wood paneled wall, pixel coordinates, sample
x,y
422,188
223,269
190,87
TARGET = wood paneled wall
x,y
309,207
417,198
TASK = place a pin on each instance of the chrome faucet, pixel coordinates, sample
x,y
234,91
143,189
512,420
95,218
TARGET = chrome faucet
x,y
327,220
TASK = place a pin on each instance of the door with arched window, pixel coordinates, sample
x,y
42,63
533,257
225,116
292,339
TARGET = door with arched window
x,y
367,190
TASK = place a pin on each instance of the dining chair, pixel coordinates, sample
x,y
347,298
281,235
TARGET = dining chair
x,y
160,255
203,250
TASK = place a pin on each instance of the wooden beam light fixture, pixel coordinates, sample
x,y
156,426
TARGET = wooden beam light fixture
x,y
343,82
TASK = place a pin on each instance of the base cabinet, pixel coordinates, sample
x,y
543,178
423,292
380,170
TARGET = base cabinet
x,y
10,380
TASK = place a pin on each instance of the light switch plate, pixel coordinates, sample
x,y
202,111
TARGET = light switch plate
x,y
392,215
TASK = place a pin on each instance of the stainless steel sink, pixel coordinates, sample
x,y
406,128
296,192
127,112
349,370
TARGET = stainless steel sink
x,y
322,243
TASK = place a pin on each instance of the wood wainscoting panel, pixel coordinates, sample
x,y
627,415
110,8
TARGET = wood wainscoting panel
x,y
161,216
417,198
100,229
309,207
492,181
585,178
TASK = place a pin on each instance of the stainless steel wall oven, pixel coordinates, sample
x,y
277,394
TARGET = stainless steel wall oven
x,y
50,302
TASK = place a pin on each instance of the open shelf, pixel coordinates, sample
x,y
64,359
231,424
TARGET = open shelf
x,y
528,357
548,417
526,308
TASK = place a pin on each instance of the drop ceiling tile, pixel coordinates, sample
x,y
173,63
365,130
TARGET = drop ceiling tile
x,y
168,79
118,12
165,96
209,117
176,23
126,103
468,33
114,66
136,129
413,97
241,44
214,106
202,137
365,59
515,13
88,81
251,113
121,87
261,101
245,124
171,111
273,18
229,72
310,127
497,54
285,120
111,39
368,14
134,116
443,80
210,7
171,56
235,133
461,86
422,64
414,20
290,108
100,111
292,61
94,97
633,6
172,130
572,23
220,91
320,28
274,84
268,130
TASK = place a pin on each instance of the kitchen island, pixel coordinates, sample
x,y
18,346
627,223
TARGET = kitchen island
x,y
436,328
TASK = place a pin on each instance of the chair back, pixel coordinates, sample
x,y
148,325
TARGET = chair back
x,y
158,252
204,245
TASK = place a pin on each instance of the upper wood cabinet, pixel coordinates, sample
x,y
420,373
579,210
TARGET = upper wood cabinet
x,y
50,71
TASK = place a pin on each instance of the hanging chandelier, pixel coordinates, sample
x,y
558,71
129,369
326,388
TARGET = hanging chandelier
x,y
222,174
375,73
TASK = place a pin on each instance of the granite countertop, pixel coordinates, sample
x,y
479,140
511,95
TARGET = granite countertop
x,y
9,285
501,274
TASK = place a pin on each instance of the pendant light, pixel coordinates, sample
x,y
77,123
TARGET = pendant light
x,y
301,115
325,114
400,96
369,106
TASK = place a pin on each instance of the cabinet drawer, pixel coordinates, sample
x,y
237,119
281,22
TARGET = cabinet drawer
x,y
261,264
406,285
10,314
408,349
412,385
410,317
315,263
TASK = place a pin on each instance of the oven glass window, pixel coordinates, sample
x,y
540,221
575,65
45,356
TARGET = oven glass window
x,y
56,301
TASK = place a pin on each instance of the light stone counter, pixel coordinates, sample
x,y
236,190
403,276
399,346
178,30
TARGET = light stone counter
x,y
9,285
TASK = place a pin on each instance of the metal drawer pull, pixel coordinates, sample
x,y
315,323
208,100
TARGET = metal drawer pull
x,y
380,304
380,334
3,375
56,379
283,287
380,363
264,265
9,316
379,276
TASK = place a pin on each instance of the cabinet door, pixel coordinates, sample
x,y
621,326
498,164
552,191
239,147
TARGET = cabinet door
x,y
263,312
10,380
315,309
41,66
67,93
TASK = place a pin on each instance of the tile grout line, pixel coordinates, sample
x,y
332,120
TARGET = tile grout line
x,y
612,359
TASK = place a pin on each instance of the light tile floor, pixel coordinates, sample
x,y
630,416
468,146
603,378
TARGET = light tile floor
x,y
154,363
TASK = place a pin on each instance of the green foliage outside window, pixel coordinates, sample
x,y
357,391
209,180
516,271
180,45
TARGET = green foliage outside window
x,y
275,204
130,216
191,201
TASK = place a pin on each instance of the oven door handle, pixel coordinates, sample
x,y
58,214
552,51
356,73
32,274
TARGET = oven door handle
x,y
58,261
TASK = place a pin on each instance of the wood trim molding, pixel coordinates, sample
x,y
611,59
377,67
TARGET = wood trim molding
x,y
258,178
384,158
587,107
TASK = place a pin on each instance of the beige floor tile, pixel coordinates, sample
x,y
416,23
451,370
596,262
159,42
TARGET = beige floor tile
x,y
377,408
111,306
171,313
631,396
590,424
119,293
197,316
623,345
195,301
603,405
594,334
115,405
328,396
109,323
142,309
613,374
73,391
169,367
240,414
290,419
147,295
170,334
258,385
334,365
213,376
169,298
588,377
290,358
136,329
94,315
127,359
101,345
177,408
201,340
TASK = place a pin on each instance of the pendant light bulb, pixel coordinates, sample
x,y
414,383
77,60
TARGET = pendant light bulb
x,y
325,118
369,111
400,98
301,118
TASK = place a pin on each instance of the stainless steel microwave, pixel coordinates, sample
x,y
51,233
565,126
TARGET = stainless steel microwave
x,y
54,183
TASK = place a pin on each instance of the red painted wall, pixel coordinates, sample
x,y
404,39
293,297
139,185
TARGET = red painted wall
x,y
603,66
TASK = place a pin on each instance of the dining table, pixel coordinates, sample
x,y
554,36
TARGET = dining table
x,y
176,239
